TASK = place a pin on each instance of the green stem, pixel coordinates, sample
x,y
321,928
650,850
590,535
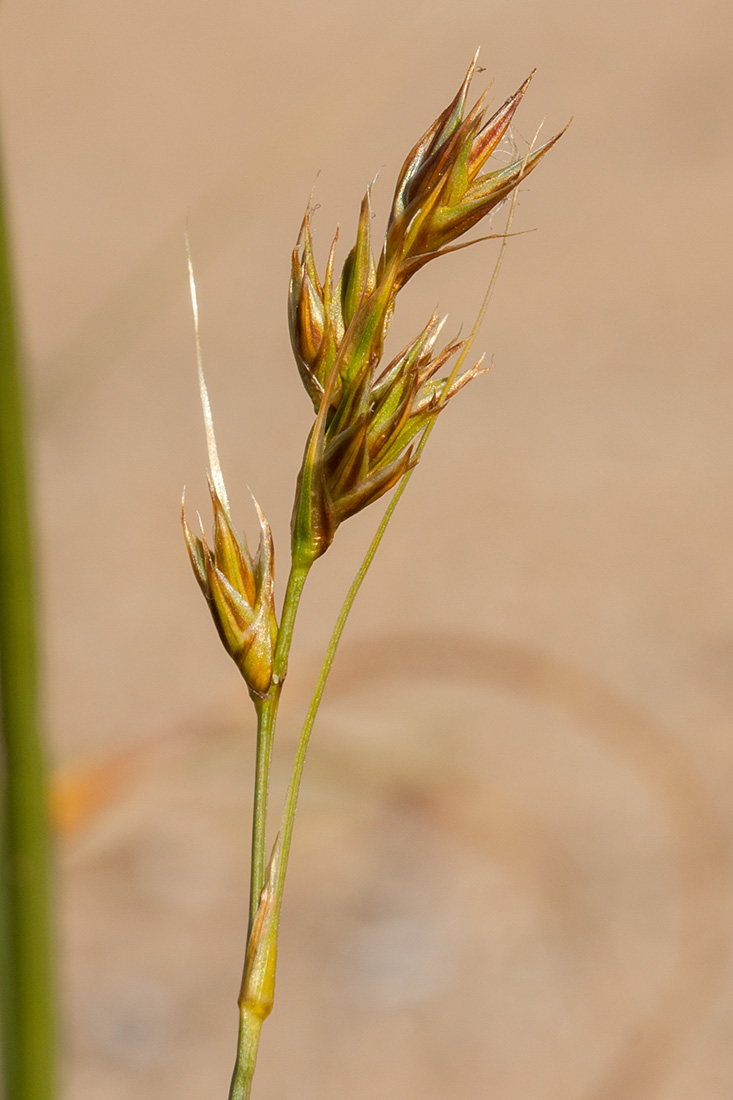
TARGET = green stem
x,y
293,592
264,708
291,801
27,997
250,1023
266,717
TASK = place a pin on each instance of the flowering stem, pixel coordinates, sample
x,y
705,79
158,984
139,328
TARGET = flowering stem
x,y
266,716
25,922
250,1020
362,344
291,801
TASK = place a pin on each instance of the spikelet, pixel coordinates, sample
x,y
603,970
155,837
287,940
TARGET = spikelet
x,y
239,590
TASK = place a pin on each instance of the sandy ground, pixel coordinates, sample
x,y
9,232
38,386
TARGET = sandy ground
x,y
512,871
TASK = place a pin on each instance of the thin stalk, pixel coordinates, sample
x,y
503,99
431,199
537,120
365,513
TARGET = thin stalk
x,y
291,801
264,709
250,1026
266,717
250,1022
27,988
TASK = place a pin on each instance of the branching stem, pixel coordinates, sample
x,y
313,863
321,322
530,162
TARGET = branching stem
x,y
251,1018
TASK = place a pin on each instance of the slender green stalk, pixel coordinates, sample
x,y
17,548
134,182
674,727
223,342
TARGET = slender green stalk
x,y
250,1025
291,801
266,717
250,1021
265,727
27,997
293,592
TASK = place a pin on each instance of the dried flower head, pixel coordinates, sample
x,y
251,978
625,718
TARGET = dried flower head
x,y
368,421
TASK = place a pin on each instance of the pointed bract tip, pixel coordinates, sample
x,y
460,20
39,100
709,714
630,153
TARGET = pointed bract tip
x,y
264,525
471,70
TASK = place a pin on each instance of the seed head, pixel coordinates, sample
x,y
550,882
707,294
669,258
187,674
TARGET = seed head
x,y
441,191
239,591
369,421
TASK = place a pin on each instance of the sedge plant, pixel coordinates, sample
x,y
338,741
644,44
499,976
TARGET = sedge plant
x,y
371,422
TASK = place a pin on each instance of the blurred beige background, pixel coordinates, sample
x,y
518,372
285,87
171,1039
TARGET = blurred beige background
x,y
512,870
